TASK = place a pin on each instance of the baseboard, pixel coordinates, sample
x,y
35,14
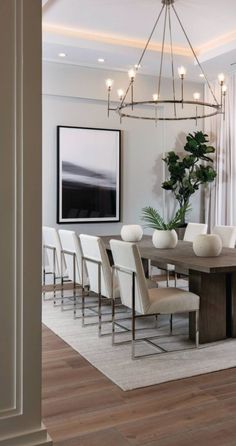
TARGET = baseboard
x,y
33,438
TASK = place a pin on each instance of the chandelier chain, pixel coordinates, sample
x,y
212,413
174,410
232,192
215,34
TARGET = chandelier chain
x,y
195,55
162,54
172,60
148,41
144,51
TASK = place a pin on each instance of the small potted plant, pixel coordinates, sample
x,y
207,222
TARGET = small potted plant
x,y
187,174
164,236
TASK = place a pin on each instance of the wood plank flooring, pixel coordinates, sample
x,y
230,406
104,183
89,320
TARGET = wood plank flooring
x,y
81,407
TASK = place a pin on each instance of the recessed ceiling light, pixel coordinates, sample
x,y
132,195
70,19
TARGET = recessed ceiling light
x,y
101,60
62,54
201,75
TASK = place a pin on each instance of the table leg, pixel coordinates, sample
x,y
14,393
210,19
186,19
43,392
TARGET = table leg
x,y
212,289
232,305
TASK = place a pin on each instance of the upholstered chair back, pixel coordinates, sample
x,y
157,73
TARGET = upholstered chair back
x,y
51,238
227,235
126,255
70,242
194,229
94,249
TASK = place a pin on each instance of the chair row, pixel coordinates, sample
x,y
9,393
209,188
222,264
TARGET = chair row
x,y
84,261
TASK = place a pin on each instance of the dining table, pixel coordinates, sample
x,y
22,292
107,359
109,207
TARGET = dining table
x,y
212,278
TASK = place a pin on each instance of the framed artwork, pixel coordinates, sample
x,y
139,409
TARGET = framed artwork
x,y
88,175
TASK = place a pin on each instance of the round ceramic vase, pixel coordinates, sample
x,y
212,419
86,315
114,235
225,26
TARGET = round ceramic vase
x,y
164,239
131,233
207,245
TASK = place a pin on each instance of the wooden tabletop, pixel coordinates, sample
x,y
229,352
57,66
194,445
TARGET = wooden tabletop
x,y
183,256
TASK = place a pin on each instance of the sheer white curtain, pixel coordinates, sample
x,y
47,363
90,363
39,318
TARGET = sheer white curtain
x,y
220,203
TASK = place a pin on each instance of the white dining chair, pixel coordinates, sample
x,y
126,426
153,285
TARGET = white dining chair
x,y
143,301
52,259
96,261
193,230
72,253
227,235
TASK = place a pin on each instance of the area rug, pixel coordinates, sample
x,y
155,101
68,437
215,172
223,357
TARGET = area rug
x,y
115,361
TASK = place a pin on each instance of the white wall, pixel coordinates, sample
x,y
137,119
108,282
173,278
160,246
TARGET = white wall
x,y
76,96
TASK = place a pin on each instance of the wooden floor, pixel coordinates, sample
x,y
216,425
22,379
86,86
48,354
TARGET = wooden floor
x,y
82,407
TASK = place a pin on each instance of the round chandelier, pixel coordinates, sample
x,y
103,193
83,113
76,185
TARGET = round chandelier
x,y
175,108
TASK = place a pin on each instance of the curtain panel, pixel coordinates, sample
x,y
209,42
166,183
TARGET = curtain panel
x,y
220,198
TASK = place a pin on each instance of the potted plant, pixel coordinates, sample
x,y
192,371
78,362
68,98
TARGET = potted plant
x,y
164,236
188,173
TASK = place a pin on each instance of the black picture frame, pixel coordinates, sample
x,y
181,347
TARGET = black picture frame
x,y
88,175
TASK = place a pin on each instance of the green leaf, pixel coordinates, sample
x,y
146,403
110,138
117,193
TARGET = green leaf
x,y
153,219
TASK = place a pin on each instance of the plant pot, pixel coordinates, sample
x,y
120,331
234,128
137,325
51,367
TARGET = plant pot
x,y
207,245
164,239
131,233
181,231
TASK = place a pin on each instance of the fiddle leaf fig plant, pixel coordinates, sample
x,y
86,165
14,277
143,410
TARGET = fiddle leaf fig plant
x,y
187,174
155,221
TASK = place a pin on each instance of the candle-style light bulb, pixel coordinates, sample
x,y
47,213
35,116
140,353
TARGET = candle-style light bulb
x,y
109,83
182,72
155,97
223,99
131,74
224,89
221,78
120,93
196,96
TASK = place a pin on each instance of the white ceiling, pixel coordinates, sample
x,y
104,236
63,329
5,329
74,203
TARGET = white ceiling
x,y
117,30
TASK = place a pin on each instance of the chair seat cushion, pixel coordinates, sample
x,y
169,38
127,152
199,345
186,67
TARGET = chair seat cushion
x,y
172,300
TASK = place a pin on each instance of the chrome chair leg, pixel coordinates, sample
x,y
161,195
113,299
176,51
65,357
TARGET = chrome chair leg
x,y
175,279
62,281
44,283
156,321
113,323
74,283
133,317
99,302
171,324
83,291
167,278
197,328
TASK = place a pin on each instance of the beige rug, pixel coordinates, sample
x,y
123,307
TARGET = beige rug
x,y
116,363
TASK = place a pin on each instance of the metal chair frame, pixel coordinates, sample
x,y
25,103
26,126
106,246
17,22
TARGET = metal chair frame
x,y
133,340
100,299
74,296
53,273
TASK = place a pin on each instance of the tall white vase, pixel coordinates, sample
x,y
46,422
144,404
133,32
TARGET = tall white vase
x,y
164,239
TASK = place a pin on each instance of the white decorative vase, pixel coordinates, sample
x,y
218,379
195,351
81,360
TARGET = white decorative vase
x,y
164,239
207,245
131,233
